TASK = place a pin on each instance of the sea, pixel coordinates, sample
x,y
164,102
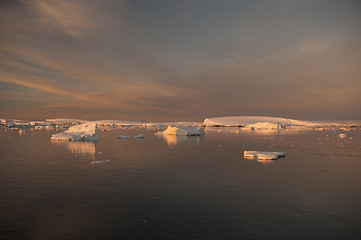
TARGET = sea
x,y
179,187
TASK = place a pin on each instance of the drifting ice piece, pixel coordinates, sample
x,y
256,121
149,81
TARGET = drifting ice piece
x,y
342,135
101,161
85,131
263,155
123,137
184,131
128,137
139,136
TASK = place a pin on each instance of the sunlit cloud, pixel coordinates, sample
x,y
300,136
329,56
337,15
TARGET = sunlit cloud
x,y
131,59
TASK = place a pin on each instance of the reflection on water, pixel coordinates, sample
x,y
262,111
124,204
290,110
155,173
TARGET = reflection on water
x,y
262,130
200,188
173,140
79,148
266,161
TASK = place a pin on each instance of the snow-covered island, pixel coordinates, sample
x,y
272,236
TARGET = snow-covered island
x,y
85,131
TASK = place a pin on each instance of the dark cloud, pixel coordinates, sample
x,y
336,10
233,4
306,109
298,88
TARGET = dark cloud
x,y
166,60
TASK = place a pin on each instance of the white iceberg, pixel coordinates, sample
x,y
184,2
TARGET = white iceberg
x,y
85,131
263,155
242,121
246,120
183,131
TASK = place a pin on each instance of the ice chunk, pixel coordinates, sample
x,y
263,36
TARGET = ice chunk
x,y
342,135
183,131
139,136
263,155
85,131
128,137
101,161
123,137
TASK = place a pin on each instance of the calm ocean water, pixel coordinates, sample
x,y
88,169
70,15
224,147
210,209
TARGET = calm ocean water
x,y
181,188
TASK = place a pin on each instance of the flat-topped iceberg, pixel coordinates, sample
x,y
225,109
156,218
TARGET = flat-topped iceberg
x,y
243,121
183,131
263,155
64,120
249,120
85,131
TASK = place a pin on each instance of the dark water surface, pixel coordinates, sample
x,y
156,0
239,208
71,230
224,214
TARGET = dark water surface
x,y
181,188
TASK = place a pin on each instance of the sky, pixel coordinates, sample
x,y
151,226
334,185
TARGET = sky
x,y
186,60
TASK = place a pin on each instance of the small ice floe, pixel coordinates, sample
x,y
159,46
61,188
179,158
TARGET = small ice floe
x,y
85,131
129,137
123,137
263,155
342,135
183,131
101,161
139,136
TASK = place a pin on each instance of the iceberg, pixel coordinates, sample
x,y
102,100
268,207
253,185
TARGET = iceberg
x,y
243,121
65,121
85,131
183,131
263,155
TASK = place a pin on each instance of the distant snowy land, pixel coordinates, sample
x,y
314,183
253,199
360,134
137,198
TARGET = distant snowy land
x,y
77,129
235,121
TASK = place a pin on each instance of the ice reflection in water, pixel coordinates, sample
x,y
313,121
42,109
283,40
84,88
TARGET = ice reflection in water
x,y
173,140
79,148
266,161
194,188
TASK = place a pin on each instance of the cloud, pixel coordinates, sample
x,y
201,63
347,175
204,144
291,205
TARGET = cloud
x,y
37,83
151,60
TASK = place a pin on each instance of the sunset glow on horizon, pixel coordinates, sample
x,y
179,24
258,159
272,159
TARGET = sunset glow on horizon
x,y
180,60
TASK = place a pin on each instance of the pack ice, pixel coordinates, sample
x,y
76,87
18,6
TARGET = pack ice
x,y
263,155
183,131
85,131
